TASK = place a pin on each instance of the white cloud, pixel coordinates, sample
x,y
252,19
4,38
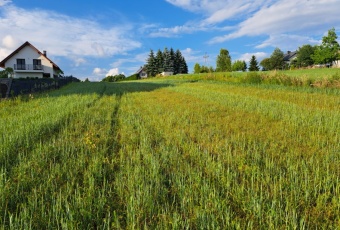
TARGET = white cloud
x,y
112,72
9,42
98,71
188,28
4,2
138,58
286,42
64,35
288,23
172,32
259,56
304,17
79,61
216,11
192,56
104,72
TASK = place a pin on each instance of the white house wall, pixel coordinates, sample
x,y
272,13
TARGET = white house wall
x,y
28,53
336,64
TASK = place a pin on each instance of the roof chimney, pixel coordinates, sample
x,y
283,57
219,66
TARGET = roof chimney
x,y
45,53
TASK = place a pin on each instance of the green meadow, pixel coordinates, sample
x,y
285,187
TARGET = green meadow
x,y
189,152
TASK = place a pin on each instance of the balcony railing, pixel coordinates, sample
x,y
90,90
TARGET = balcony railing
x,y
28,67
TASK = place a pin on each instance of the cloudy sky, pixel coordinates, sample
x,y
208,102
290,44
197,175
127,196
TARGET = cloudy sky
x,y
94,38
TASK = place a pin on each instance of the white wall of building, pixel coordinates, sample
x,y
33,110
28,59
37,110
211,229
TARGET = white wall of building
x,y
336,64
28,53
167,73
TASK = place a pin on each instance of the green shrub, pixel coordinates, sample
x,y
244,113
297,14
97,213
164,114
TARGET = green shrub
x,y
252,78
133,77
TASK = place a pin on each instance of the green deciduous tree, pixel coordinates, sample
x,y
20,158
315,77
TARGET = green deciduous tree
x,y
114,78
253,64
328,51
239,66
197,68
266,64
223,61
304,56
276,59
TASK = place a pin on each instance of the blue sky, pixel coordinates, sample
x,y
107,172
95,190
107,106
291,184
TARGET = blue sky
x,y
94,38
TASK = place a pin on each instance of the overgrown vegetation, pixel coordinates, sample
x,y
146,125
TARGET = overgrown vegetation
x,y
171,153
325,55
118,77
319,78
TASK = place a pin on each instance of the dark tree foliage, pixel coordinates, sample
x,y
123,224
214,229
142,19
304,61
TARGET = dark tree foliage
x,y
115,78
151,67
167,61
253,64
172,60
266,64
304,56
179,63
159,61
276,59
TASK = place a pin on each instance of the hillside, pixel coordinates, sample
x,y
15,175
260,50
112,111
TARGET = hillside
x,y
179,152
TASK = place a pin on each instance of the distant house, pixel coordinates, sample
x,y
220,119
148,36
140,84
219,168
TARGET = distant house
x,y
28,61
142,72
289,57
336,64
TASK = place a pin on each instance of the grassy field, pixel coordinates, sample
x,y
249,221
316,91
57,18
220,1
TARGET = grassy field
x,y
317,78
171,153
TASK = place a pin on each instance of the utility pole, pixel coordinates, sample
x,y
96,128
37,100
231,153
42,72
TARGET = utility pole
x,y
205,58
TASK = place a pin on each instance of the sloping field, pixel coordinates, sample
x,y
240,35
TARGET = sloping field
x,y
171,154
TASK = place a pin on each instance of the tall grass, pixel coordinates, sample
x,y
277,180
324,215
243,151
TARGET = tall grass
x,y
171,154
316,78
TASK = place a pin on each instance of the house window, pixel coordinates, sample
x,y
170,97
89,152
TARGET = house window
x,y
21,64
37,64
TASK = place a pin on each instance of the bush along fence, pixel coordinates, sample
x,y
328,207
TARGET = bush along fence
x,y
14,87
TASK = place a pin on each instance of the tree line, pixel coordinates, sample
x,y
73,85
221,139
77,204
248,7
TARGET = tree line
x,y
307,55
166,61
224,64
